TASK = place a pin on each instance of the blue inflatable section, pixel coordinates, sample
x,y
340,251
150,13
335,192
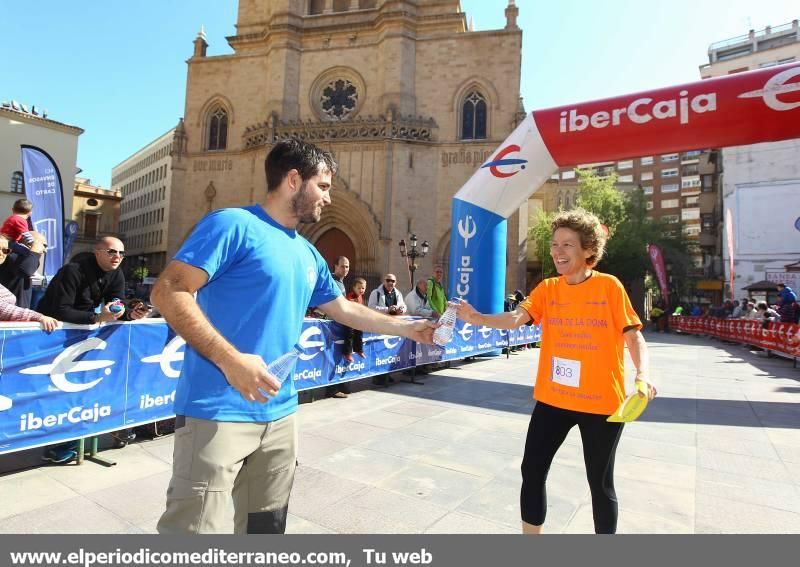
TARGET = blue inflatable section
x,y
82,381
477,257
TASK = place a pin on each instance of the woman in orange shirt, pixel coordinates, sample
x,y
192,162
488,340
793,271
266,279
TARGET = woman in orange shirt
x,y
587,320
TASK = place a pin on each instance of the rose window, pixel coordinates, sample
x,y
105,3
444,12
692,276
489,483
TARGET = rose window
x,y
338,99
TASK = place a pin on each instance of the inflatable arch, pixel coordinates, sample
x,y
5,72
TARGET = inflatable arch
x,y
745,108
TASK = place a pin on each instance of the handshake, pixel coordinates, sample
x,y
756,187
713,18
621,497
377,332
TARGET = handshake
x,y
396,310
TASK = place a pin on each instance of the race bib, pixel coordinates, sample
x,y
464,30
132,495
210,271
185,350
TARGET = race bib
x,y
567,372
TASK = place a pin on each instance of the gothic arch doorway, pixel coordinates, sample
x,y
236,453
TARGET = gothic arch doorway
x,y
334,243
348,227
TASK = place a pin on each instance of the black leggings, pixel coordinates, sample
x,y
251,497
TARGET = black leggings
x,y
548,428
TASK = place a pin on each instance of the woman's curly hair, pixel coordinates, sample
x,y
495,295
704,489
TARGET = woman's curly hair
x,y
589,228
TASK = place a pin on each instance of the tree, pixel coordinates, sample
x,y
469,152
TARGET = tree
x,y
540,234
630,231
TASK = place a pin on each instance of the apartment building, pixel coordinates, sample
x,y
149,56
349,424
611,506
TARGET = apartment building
x,y
761,182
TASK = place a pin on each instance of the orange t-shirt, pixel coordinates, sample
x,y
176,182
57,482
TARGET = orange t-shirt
x,y
583,349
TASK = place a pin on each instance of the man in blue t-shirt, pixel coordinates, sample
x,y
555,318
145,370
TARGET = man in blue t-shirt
x,y
254,276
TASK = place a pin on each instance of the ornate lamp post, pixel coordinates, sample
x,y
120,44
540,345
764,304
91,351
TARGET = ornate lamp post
x,y
413,254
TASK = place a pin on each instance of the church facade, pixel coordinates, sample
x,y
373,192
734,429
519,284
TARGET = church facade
x,y
408,99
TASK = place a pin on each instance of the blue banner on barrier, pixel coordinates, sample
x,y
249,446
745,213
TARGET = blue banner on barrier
x,y
81,381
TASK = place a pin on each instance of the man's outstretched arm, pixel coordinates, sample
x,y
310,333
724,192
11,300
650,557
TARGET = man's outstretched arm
x,y
359,317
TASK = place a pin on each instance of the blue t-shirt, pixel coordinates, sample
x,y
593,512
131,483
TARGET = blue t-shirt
x,y
261,279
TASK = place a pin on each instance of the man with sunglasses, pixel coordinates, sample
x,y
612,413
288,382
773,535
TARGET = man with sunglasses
x,y
387,298
80,287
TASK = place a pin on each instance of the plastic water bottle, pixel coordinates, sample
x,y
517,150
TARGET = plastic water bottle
x,y
282,366
116,306
444,333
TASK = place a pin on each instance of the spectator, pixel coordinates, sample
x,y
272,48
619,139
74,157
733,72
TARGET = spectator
x,y
786,294
386,298
21,264
436,296
354,339
19,221
341,267
696,310
656,316
789,312
417,300
81,292
766,313
736,313
9,311
750,311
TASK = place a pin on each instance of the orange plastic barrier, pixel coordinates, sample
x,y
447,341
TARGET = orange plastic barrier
x,y
782,338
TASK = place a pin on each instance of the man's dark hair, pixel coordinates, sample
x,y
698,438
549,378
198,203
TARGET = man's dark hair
x,y
780,285
22,207
762,306
295,154
338,259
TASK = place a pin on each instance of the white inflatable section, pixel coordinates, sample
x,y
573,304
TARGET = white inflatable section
x,y
498,188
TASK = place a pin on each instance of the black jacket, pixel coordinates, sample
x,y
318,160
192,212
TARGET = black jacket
x,y
16,272
78,288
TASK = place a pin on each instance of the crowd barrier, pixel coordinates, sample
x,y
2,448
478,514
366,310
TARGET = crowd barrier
x,y
781,338
80,381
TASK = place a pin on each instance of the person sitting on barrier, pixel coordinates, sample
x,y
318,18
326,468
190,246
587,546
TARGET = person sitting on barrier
x,y
354,339
80,288
750,312
387,298
17,271
437,298
767,313
9,311
417,300
254,276
587,320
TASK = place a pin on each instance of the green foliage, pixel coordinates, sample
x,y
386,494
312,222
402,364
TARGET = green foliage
x,y
540,234
140,273
630,230
601,196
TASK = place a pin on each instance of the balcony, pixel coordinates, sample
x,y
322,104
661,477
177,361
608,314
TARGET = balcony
x,y
708,240
768,38
708,203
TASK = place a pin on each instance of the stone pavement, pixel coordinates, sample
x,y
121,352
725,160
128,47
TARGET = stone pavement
x,y
717,452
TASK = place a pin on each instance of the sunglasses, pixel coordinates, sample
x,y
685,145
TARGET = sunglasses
x,y
112,252
390,281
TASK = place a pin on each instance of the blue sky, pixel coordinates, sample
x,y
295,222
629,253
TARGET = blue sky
x,y
117,69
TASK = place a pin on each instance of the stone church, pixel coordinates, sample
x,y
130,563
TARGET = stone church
x,y
405,95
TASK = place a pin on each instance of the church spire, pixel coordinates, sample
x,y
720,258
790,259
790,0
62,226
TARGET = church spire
x,y
200,43
511,15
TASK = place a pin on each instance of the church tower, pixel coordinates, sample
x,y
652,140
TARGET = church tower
x,y
405,95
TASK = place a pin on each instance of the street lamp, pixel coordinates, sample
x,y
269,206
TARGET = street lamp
x,y
413,254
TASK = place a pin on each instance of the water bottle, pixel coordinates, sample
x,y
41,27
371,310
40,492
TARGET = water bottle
x,y
282,366
444,333
116,306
